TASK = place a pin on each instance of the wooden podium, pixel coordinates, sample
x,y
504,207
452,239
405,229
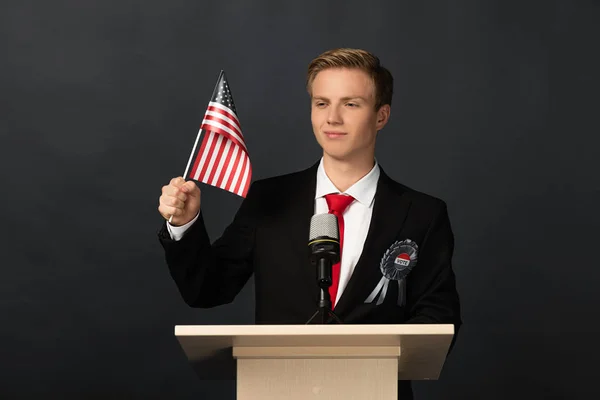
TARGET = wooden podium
x,y
316,361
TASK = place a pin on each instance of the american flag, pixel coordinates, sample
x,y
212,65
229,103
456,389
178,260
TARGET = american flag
x,y
222,159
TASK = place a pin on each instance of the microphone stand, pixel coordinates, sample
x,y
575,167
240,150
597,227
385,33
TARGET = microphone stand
x,y
324,313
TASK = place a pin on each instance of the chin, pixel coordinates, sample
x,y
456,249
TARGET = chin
x,y
338,155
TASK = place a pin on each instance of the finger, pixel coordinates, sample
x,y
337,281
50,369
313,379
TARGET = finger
x,y
171,201
166,211
162,209
172,191
189,187
174,202
175,211
177,182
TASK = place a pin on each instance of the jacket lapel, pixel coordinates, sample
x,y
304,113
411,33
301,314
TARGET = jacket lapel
x,y
390,209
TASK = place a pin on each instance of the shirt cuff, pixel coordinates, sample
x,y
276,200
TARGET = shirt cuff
x,y
177,232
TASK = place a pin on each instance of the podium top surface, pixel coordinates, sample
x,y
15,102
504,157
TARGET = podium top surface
x,y
311,330
423,347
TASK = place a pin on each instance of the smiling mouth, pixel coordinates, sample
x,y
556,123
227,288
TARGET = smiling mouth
x,y
333,135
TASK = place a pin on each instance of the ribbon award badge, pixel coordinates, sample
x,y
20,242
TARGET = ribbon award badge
x,y
396,264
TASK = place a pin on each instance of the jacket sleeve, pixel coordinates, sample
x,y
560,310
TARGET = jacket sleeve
x,y
432,297
210,275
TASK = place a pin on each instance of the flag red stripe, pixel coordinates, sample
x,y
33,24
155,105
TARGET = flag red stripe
x,y
239,182
243,177
246,178
235,166
207,160
228,114
231,167
224,133
199,154
217,160
213,156
247,186
221,121
234,127
226,164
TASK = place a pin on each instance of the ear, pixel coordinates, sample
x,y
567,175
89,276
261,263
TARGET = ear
x,y
383,115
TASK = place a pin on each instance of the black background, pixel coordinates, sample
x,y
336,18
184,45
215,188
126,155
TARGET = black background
x,y
495,111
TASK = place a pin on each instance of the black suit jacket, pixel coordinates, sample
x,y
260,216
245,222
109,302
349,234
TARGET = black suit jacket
x,y
268,238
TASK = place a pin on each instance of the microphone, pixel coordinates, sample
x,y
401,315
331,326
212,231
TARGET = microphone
x,y
324,246
324,251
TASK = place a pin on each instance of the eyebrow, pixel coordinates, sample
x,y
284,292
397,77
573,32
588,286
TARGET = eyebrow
x,y
342,99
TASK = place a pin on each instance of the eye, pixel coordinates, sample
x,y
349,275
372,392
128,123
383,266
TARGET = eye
x,y
320,104
352,104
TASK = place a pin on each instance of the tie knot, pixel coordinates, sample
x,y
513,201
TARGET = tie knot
x,y
338,203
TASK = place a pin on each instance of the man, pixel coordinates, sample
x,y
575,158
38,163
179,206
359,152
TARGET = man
x,y
397,243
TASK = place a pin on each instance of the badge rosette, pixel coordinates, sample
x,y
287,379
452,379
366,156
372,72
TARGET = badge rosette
x,y
396,264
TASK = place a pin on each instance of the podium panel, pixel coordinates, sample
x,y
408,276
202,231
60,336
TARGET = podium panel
x,y
331,379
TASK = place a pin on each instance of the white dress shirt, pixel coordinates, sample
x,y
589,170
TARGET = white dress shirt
x,y
357,218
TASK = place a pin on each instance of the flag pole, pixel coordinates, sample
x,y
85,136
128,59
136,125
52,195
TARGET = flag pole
x,y
198,138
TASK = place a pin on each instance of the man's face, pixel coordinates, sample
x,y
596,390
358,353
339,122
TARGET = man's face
x,y
343,113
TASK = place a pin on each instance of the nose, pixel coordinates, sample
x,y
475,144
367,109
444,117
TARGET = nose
x,y
334,116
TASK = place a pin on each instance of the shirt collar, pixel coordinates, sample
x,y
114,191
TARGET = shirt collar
x,y
363,190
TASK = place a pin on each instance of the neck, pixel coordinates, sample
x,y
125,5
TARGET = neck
x,y
344,174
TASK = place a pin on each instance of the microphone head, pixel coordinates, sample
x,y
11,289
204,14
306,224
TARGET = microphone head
x,y
324,225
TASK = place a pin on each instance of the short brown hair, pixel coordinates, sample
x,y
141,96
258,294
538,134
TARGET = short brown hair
x,y
355,58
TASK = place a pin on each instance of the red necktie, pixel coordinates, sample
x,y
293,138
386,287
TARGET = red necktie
x,y
337,205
